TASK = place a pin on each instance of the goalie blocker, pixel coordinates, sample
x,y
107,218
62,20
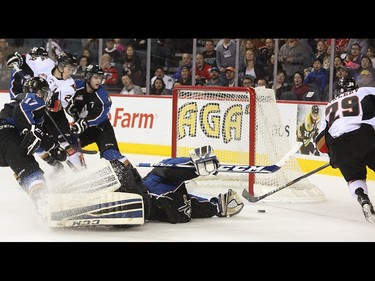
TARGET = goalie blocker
x,y
204,160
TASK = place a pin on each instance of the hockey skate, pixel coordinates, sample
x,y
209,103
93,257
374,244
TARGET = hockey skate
x,y
40,201
230,204
367,207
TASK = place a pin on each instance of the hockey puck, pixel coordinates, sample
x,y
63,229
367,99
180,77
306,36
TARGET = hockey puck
x,y
261,211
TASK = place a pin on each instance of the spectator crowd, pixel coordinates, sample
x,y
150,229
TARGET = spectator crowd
x,y
302,66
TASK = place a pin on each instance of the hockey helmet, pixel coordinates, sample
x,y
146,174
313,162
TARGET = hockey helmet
x,y
37,85
67,59
38,52
346,84
94,69
315,109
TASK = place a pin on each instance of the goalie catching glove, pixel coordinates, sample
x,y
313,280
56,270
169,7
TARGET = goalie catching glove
x,y
204,160
229,204
14,59
79,127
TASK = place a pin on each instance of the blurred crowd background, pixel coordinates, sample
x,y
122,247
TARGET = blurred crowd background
x,y
296,68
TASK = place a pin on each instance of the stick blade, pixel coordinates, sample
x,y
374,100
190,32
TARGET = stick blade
x,y
249,197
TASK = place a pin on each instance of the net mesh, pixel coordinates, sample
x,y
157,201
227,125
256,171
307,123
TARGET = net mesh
x,y
221,118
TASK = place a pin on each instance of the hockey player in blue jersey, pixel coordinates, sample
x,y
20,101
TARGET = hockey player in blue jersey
x,y
22,134
347,134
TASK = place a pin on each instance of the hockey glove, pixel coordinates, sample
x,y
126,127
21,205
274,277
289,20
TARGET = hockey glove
x,y
14,59
79,127
72,110
58,153
32,139
204,160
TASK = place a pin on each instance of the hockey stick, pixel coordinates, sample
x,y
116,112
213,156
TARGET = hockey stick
x,y
254,199
230,168
66,139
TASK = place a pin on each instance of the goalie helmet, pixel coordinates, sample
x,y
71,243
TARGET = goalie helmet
x,y
38,52
93,69
37,85
346,84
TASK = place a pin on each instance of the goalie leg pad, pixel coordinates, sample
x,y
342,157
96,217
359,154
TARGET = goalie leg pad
x,y
131,182
93,209
99,178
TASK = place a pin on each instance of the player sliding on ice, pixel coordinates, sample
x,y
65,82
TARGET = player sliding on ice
x,y
163,192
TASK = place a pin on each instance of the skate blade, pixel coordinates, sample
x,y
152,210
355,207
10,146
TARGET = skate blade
x,y
370,217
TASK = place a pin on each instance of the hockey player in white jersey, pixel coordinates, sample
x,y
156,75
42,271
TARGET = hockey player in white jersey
x,y
36,62
63,89
347,134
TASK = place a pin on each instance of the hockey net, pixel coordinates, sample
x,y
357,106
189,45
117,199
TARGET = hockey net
x,y
244,127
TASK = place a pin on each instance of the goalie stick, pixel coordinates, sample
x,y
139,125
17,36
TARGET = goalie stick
x,y
254,199
18,70
230,168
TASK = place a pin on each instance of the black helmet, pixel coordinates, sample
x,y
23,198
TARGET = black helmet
x,y
346,84
66,58
34,84
38,52
93,69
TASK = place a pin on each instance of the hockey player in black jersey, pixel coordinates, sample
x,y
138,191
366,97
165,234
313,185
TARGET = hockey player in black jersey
x,y
347,134
21,134
89,109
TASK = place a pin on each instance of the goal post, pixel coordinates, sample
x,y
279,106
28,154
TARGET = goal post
x,y
243,126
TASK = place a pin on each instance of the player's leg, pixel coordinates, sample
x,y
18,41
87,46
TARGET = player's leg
x,y
350,155
26,169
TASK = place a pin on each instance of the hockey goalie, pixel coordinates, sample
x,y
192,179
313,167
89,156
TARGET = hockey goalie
x,y
112,193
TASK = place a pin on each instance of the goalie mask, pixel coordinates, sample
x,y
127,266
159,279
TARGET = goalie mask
x,y
37,85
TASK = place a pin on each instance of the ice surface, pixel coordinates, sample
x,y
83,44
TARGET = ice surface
x,y
338,219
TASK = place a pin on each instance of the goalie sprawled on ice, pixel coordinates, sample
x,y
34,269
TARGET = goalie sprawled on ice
x,y
115,194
